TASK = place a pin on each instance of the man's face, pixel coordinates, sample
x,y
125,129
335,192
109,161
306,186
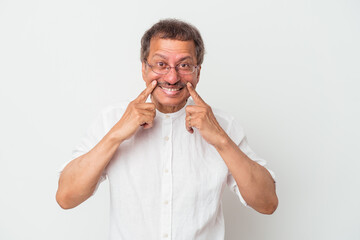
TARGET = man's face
x,y
171,93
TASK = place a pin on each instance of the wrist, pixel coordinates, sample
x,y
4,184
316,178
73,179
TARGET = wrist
x,y
114,138
224,141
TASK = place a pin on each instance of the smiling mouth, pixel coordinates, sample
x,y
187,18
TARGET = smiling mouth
x,y
171,88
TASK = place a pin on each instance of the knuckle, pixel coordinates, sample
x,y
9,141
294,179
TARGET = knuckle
x,y
138,117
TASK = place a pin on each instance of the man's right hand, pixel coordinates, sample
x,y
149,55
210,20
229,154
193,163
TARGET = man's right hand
x,y
138,113
80,177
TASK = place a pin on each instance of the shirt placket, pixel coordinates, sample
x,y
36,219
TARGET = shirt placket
x,y
166,196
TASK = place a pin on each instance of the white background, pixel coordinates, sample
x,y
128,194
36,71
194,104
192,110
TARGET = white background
x,y
288,70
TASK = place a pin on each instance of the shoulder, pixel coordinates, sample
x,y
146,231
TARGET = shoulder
x,y
230,124
115,108
225,119
222,115
112,113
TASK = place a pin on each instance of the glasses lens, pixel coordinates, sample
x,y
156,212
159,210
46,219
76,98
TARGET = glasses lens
x,y
160,69
185,69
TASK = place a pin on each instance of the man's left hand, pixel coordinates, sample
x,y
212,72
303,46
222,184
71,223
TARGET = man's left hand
x,y
200,116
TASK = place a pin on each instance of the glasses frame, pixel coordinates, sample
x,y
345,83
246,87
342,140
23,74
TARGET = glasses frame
x,y
169,69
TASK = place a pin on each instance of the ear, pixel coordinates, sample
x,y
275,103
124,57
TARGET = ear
x,y
198,74
143,70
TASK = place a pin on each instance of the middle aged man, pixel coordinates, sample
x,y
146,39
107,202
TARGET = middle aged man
x,y
168,157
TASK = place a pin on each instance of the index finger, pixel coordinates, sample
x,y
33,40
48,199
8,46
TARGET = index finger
x,y
197,99
145,94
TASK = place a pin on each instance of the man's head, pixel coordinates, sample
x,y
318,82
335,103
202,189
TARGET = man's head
x,y
168,44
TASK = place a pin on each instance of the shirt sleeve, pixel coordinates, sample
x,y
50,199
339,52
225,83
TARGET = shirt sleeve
x,y
237,134
94,133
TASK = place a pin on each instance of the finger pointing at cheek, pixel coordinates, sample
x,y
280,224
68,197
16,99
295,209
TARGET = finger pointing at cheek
x,y
138,113
145,94
201,117
195,96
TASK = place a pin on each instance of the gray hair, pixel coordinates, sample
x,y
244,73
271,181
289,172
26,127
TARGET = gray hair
x,y
176,30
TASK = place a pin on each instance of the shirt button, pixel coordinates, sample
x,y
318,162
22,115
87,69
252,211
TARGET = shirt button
x,y
167,116
165,235
166,138
166,170
166,202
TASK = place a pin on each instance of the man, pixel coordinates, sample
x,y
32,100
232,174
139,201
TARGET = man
x,y
167,157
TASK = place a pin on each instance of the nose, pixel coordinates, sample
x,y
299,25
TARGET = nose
x,y
172,76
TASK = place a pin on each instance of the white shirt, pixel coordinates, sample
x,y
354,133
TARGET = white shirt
x,y
166,183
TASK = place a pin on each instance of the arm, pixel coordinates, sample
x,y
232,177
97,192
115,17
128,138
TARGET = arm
x,y
254,182
79,178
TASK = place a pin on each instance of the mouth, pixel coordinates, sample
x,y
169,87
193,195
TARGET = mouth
x,y
171,90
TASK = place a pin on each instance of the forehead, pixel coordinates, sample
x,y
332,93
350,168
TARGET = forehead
x,y
171,49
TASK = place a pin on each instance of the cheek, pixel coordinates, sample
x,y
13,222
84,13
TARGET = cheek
x,y
193,81
149,77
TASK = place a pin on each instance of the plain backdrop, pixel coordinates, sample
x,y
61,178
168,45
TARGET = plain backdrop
x,y
289,71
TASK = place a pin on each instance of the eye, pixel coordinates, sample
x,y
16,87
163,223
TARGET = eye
x,y
184,65
160,64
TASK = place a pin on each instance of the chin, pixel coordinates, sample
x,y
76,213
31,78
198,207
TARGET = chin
x,y
169,102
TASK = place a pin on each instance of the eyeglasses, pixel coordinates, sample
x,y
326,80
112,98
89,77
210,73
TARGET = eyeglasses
x,y
163,68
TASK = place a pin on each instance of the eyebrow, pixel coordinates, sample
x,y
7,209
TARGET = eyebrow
x,y
184,58
159,55
164,57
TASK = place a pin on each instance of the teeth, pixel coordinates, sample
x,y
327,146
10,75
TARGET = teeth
x,y
171,89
